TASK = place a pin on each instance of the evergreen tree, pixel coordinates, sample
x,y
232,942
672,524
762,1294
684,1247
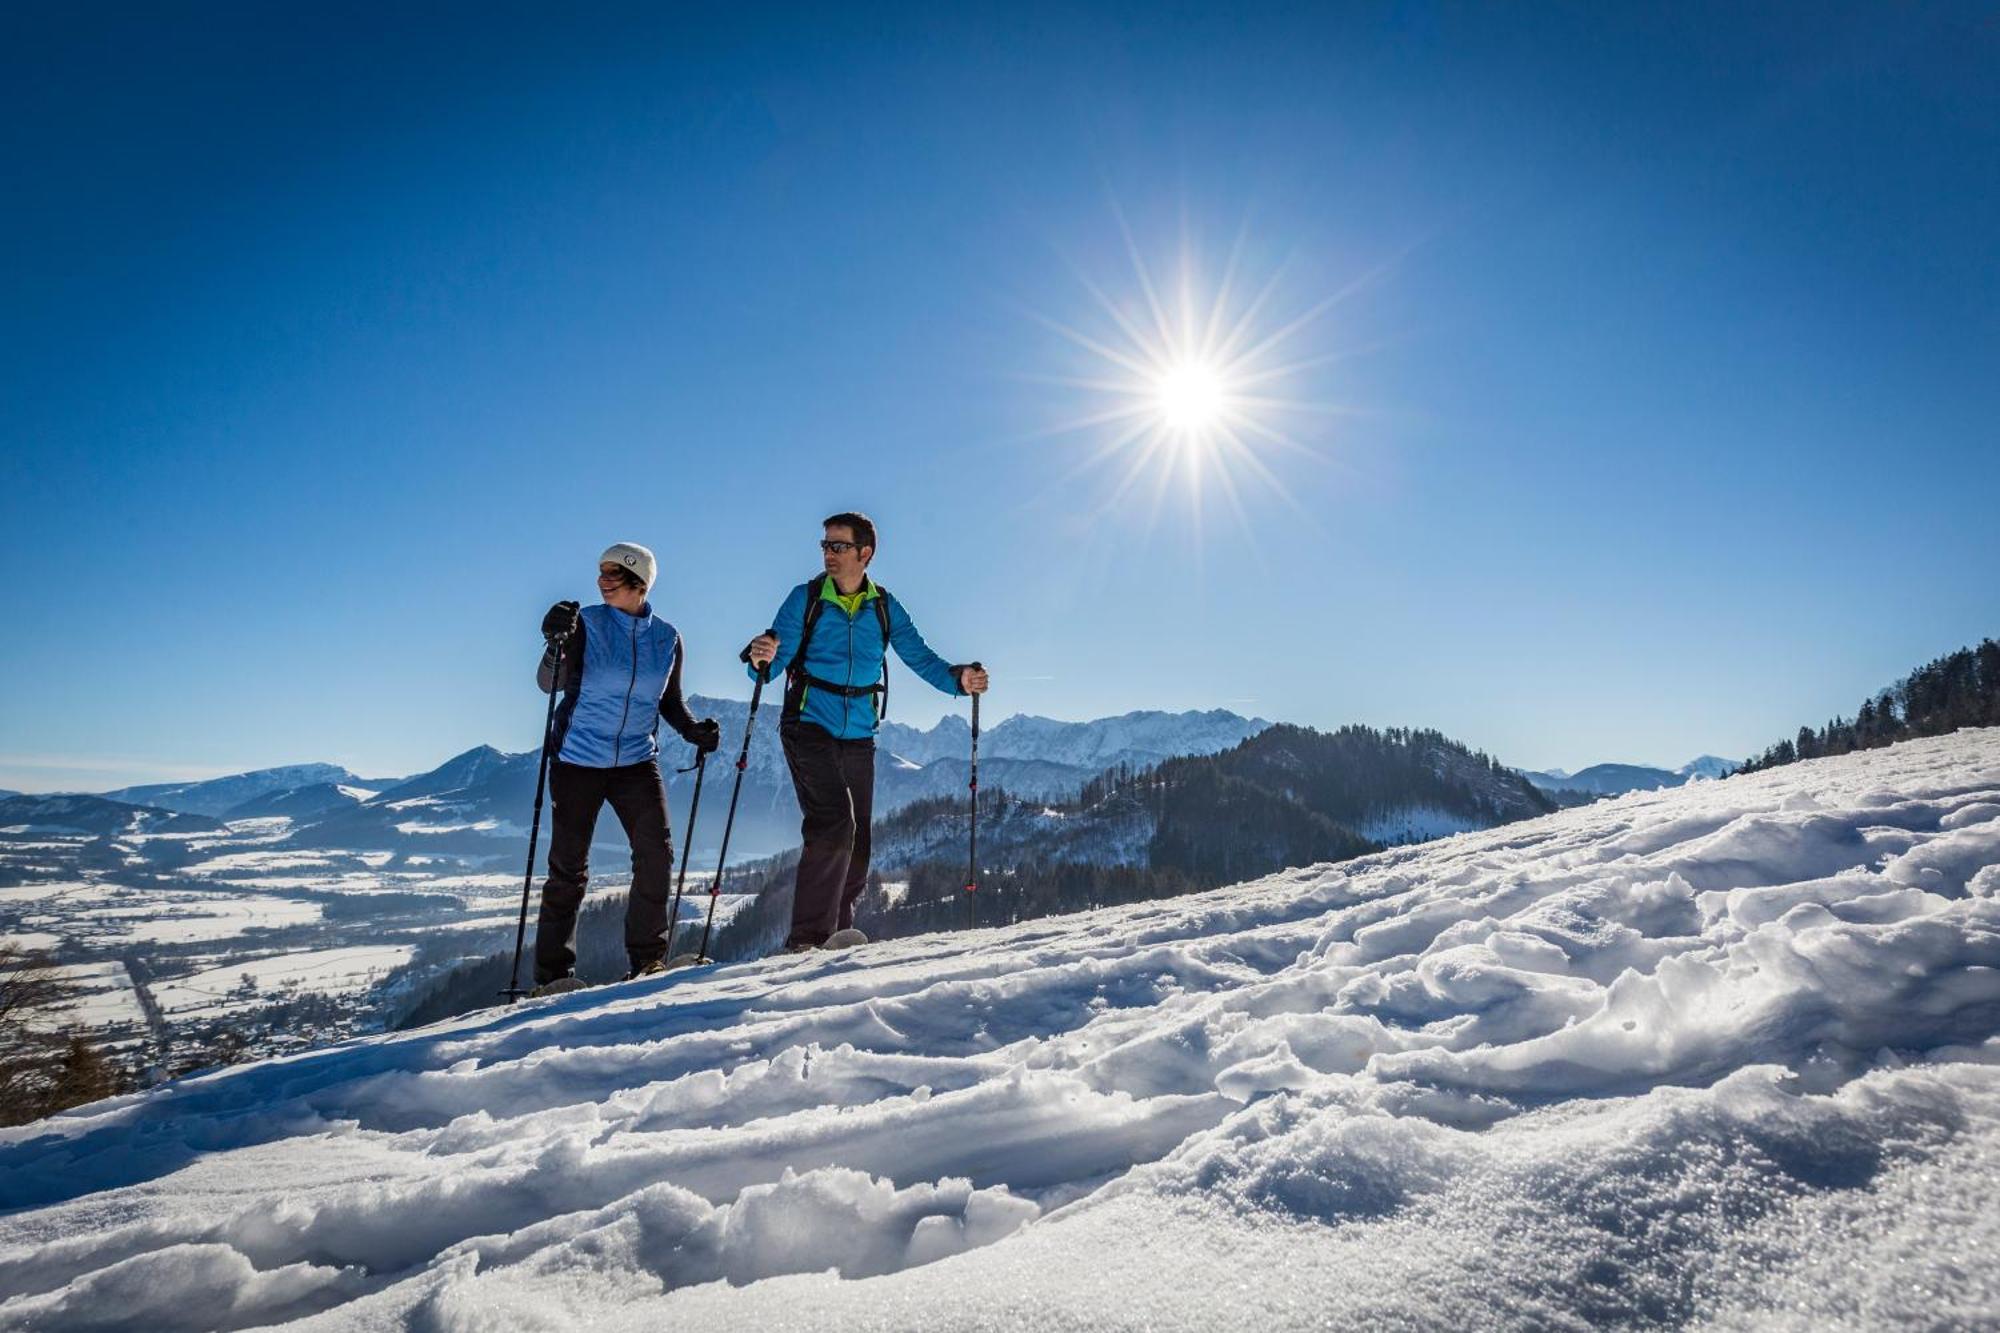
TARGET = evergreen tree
x,y
83,1075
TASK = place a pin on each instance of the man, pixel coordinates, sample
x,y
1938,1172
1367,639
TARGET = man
x,y
835,690
621,673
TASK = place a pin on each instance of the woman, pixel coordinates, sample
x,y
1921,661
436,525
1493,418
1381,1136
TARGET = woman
x,y
621,673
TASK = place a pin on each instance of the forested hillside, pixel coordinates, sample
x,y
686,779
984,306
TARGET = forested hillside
x,y
1961,689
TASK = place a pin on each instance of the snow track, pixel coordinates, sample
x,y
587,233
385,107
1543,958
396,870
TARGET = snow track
x,y
1719,1054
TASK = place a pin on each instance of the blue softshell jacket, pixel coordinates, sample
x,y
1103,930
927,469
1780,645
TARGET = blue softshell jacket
x,y
610,713
848,650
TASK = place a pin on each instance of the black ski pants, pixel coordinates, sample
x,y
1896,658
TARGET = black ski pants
x,y
835,782
577,794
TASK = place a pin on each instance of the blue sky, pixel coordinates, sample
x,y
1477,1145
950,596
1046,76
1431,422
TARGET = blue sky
x,y
338,345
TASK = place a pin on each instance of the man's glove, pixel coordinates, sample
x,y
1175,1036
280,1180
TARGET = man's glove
x,y
706,736
560,622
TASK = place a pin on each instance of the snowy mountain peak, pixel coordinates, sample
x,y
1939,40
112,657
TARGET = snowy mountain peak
x,y
468,769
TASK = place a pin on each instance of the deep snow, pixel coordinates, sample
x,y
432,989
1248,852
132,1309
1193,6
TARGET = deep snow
x,y
1722,1054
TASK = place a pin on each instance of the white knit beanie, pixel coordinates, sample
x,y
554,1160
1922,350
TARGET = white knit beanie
x,y
633,557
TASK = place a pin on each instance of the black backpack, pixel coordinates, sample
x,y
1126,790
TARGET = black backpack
x,y
796,679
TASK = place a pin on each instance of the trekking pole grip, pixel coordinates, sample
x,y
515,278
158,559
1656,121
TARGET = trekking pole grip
x,y
744,656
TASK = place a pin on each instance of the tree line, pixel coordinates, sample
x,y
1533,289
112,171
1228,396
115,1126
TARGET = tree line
x,y
1961,689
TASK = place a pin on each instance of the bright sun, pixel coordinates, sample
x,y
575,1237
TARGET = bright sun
x,y
1185,381
1192,396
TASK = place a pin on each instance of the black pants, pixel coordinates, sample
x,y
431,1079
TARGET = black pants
x,y
577,794
835,782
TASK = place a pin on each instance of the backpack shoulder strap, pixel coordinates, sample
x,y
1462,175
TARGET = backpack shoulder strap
x,y
882,617
882,613
795,674
814,606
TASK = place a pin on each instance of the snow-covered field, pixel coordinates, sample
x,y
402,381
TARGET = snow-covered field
x,y
106,915
1724,1055
247,983
103,997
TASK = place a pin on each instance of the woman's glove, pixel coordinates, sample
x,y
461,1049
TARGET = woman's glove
x,y
560,622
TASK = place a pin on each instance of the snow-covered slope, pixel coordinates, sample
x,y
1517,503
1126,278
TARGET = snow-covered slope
x,y
1723,1054
311,801
479,764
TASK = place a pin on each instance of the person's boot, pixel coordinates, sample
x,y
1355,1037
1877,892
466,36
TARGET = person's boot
x,y
651,967
561,985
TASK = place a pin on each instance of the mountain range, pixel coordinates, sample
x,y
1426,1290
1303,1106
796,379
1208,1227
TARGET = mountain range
x,y
96,815
218,796
477,804
1600,780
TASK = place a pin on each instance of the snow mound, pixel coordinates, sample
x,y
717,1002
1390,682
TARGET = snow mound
x,y
1725,1054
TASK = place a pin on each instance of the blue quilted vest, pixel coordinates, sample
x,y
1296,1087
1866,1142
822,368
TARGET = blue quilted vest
x,y
612,717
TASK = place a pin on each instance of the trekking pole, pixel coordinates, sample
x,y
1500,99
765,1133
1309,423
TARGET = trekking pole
x,y
742,763
514,991
972,852
700,767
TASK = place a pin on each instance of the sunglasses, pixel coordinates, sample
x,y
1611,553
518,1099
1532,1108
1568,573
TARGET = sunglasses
x,y
839,548
624,576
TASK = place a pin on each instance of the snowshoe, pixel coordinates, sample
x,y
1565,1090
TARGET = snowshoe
x,y
652,969
844,939
560,986
680,960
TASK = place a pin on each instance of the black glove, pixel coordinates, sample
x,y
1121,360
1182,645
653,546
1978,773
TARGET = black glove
x,y
560,622
705,736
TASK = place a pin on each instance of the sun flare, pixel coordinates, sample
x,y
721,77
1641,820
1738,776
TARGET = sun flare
x,y
1193,384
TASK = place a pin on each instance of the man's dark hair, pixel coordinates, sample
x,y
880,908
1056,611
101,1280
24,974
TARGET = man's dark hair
x,y
860,525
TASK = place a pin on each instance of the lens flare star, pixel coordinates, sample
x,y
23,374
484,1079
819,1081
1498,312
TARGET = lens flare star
x,y
1192,382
